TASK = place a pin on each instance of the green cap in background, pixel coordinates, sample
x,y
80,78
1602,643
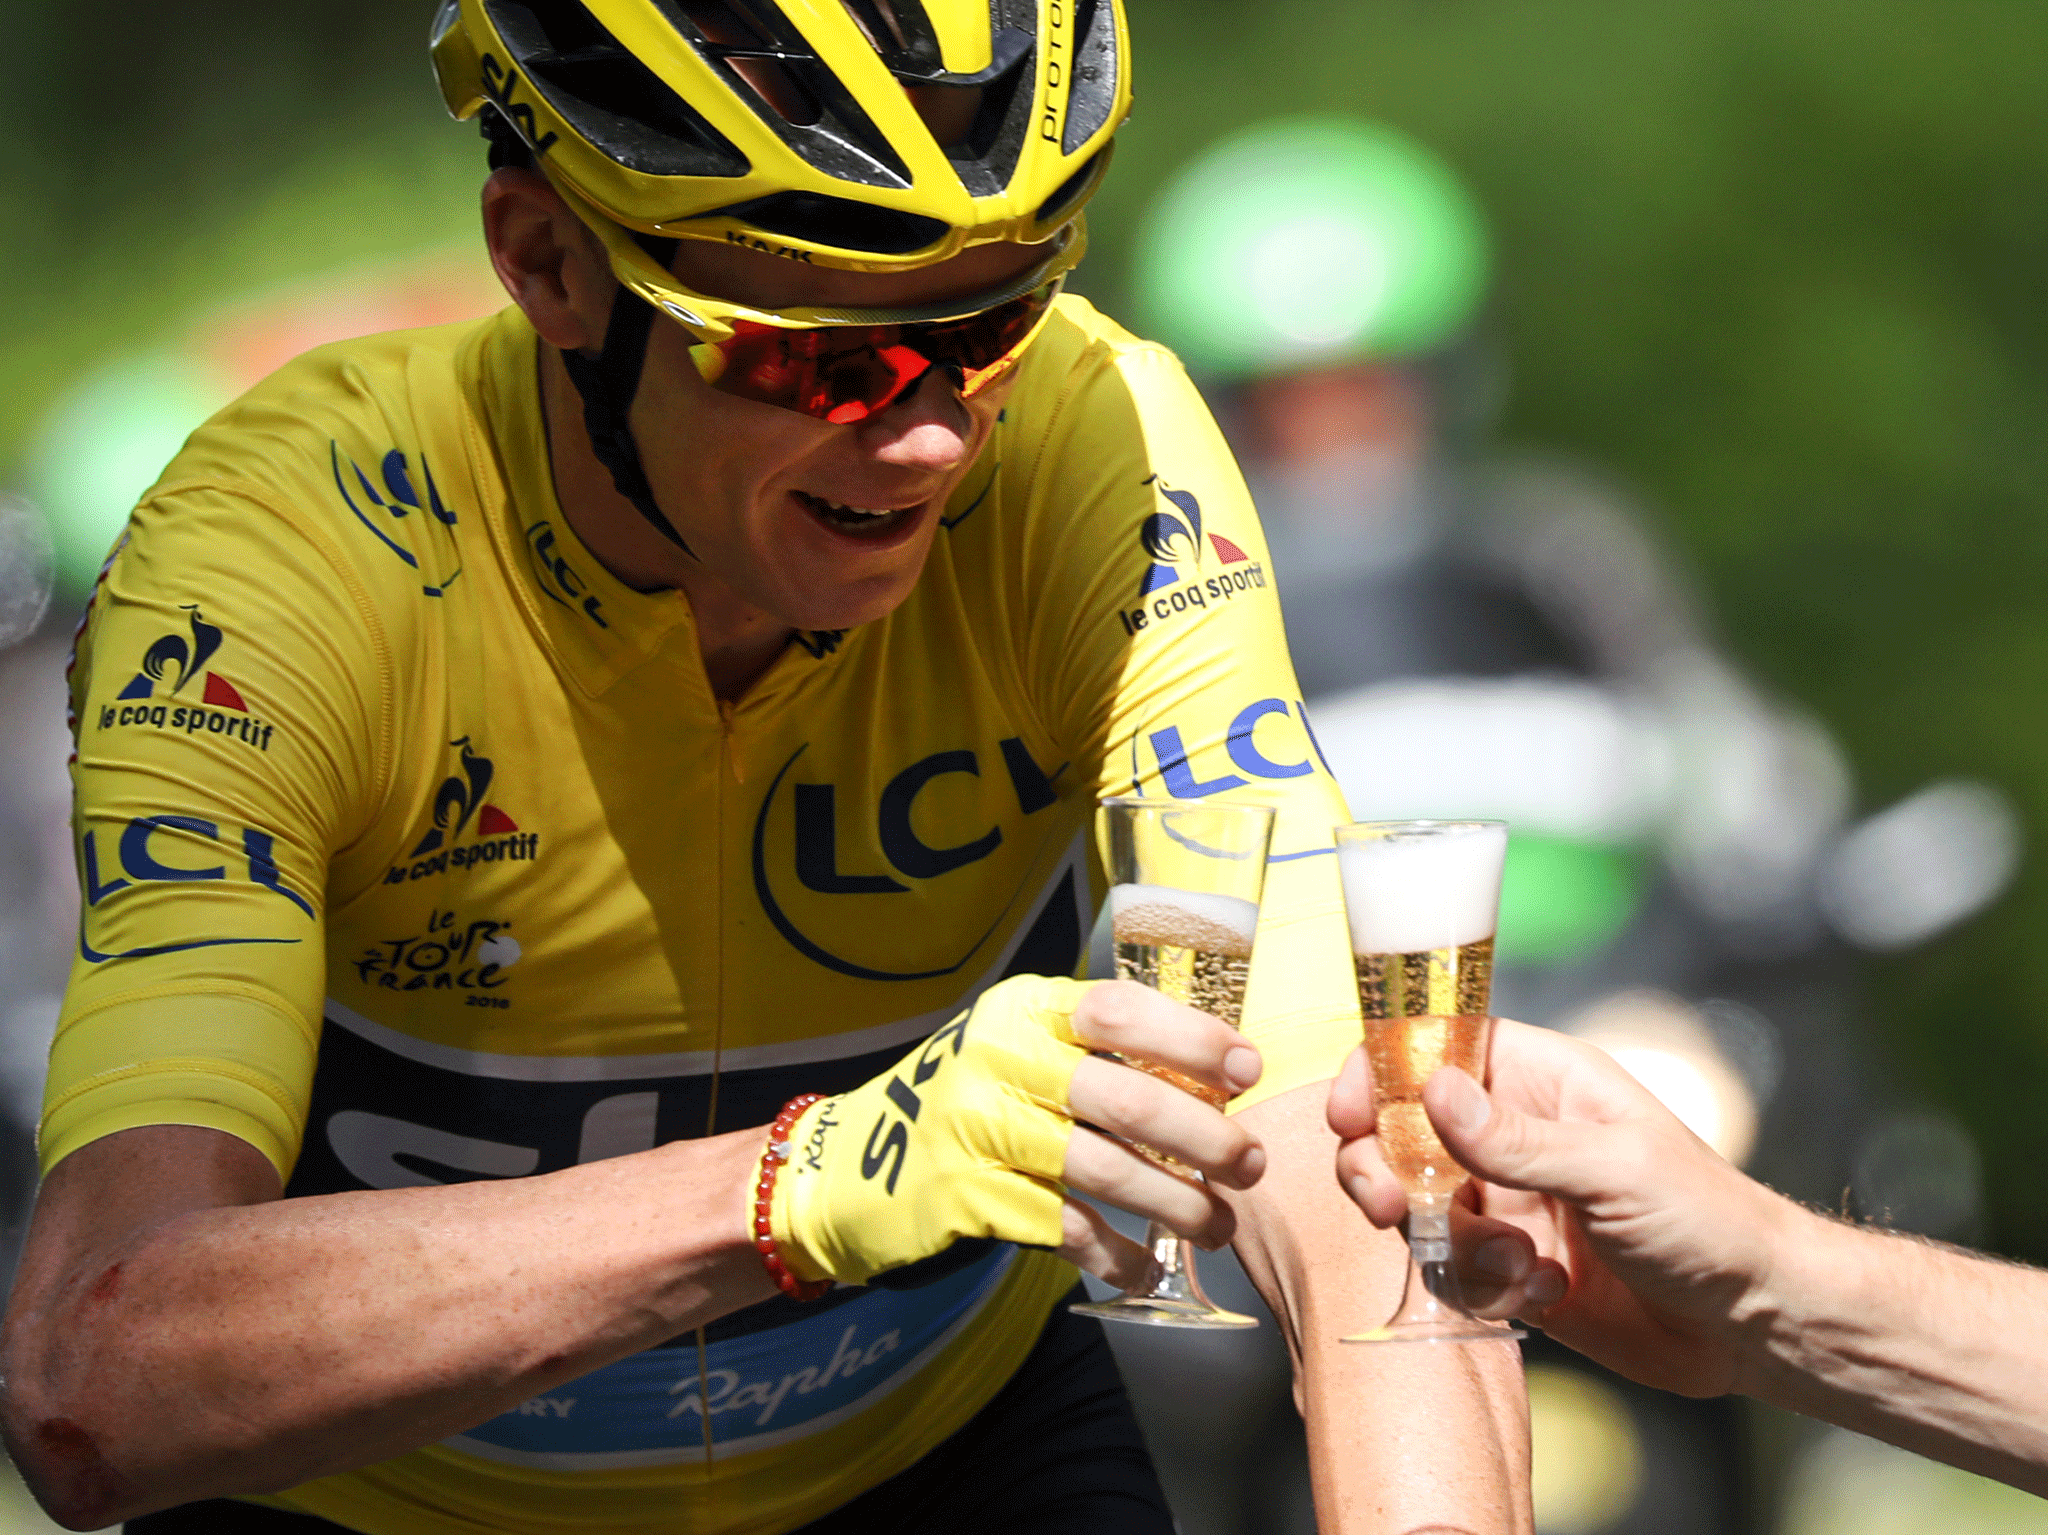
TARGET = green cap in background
x,y
1306,241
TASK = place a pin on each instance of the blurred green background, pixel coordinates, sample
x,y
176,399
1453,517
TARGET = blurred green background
x,y
1782,265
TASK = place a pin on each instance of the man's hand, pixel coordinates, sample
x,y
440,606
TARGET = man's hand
x,y
974,1134
1601,1218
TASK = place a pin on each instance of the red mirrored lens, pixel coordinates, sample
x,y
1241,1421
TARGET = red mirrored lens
x,y
846,373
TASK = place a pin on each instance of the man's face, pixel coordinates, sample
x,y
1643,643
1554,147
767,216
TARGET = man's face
x,y
772,501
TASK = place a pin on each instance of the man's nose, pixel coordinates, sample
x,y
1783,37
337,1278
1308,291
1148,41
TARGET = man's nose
x,y
927,428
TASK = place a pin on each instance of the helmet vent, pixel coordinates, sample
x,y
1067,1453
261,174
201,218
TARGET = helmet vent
x,y
837,221
986,158
883,26
608,96
753,58
777,73
902,34
1091,95
1071,188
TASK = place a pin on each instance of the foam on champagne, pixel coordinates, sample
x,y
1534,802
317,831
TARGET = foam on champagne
x,y
1157,914
1406,894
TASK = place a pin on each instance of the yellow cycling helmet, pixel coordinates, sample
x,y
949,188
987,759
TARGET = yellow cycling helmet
x,y
791,125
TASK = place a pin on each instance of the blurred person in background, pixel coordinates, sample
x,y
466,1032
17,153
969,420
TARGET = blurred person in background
x,y
1603,1220
542,747
1481,633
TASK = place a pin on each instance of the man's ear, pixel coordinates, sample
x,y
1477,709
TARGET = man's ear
x,y
548,259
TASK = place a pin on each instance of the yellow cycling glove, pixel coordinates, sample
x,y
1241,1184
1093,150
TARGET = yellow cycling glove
x,y
965,1137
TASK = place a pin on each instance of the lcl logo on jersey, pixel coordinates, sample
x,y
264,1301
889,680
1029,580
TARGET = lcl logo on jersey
x,y
399,499
1281,755
460,808
559,580
816,818
172,662
142,854
1179,548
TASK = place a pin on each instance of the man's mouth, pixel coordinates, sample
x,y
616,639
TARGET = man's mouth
x,y
861,521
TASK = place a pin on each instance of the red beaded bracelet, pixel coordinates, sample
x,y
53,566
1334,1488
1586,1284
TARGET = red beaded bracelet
x,y
772,1158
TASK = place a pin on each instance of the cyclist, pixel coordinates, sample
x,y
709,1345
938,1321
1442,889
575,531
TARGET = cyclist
x,y
518,762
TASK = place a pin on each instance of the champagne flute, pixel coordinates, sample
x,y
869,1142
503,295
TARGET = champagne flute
x,y
1423,898
1185,880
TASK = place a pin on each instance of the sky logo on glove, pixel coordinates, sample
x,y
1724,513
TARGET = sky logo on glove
x,y
895,1146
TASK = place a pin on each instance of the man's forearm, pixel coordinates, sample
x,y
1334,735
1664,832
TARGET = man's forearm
x,y
1400,1439
1687,1275
251,1348
1934,1349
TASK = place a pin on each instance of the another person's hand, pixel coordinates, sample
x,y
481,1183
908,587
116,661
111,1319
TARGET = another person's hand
x,y
1594,1212
973,1134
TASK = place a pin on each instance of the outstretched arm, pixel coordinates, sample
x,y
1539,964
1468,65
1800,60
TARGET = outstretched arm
x,y
1610,1225
1402,1440
177,1331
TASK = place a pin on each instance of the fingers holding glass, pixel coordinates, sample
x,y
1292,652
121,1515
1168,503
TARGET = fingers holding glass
x,y
1091,1244
1117,1175
1139,1025
1503,1269
1152,1119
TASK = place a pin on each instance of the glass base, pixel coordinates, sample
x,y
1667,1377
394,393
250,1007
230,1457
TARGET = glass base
x,y
1171,1295
1163,1313
1433,1308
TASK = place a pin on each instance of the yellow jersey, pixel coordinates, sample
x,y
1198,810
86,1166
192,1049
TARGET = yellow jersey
x,y
415,848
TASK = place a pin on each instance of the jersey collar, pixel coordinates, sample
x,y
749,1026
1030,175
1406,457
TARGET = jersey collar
x,y
597,627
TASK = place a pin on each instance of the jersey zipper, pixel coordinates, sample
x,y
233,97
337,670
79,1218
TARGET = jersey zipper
x,y
727,731
728,752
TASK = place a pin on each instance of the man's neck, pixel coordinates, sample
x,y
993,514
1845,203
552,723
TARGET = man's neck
x,y
738,642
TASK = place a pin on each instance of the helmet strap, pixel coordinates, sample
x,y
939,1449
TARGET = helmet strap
x,y
608,384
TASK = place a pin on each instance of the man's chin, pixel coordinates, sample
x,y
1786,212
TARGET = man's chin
x,y
842,616
830,600
850,605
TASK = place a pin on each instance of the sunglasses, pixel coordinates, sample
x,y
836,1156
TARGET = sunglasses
x,y
844,365
848,373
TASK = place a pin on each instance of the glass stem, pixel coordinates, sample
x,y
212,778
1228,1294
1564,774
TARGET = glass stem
x,y
1430,1241
1429,1233
1172,1274
1170,1259
1429,1245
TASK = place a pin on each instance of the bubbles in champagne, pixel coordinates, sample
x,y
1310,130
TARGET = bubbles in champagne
x,y
1193,948
1405,1053
1434,888
1458,980
1207,979
1415,1155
